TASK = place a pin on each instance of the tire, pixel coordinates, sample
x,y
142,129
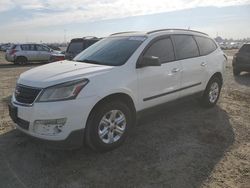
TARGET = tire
x,y
236,72
21,60
212,92
102,134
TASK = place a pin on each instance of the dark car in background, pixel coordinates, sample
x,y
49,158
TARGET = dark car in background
x,y
241,60
77,45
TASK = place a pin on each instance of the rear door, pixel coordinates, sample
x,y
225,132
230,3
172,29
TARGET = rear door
x,y
193,65
159,84
212,59
29,51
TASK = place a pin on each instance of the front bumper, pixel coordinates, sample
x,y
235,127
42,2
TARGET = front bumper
x,y
74,111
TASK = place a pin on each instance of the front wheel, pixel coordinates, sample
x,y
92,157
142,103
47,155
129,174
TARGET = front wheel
x,y
212,92
108,126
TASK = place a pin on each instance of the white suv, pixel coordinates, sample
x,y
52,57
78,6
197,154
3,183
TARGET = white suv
x,y
96,96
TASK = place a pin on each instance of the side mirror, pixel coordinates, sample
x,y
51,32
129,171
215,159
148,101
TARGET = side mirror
x,y
149,61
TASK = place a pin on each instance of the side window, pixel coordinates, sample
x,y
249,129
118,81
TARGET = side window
x,y
32,47
206,45
186,46
41,48
25,47
163,49
46,48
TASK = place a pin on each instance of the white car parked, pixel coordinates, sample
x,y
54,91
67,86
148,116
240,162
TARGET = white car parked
x,y
25,53
96,96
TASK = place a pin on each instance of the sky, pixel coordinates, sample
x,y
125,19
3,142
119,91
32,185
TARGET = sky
x,y
62,20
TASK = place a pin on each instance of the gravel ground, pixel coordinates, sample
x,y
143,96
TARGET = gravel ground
x,y
175,145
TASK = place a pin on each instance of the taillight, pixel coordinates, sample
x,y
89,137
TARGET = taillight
x,y
12,52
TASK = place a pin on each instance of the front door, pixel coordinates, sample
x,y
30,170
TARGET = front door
x,y
159,84
43,53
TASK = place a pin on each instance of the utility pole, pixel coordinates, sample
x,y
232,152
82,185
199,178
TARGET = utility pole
x,y
65,40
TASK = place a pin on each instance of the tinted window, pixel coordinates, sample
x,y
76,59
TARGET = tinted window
x,y
88,43
112,51
245,48
75,47
25,47
32,47
206,45
186,46
42,48
13,47
163,49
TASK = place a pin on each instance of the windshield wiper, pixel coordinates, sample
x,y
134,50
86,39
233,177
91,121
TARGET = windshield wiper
x,y
89,61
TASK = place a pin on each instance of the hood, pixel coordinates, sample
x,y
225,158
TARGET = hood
x,y
59,72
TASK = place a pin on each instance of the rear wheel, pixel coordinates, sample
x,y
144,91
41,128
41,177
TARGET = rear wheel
x,y
236,72
108,126
21,60
212,92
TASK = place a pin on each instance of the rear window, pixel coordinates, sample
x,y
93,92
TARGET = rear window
x,y
186,46
28,47
13,47
245,48
75,47
206,45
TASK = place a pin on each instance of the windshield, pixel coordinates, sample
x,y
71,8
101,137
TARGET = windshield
x,y
112,51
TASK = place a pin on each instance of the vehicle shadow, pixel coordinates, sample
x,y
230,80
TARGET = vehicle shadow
x,y
243,79
171,146
18,66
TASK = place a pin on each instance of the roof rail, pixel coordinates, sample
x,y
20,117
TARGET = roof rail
x,y
154,31
123,32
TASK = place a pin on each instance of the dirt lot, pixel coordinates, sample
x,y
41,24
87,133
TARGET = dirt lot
x,y
180,145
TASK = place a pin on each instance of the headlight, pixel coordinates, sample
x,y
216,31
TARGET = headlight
x,y
65,91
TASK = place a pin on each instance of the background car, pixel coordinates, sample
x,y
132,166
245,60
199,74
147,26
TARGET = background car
x,y
24,53
241,60
77,45
5,47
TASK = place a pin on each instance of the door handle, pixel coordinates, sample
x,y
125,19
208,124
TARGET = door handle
x,y
203,64
175,70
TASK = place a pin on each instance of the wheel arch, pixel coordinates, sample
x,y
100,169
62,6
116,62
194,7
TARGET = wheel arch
x,y
115,96
21,56
218,75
